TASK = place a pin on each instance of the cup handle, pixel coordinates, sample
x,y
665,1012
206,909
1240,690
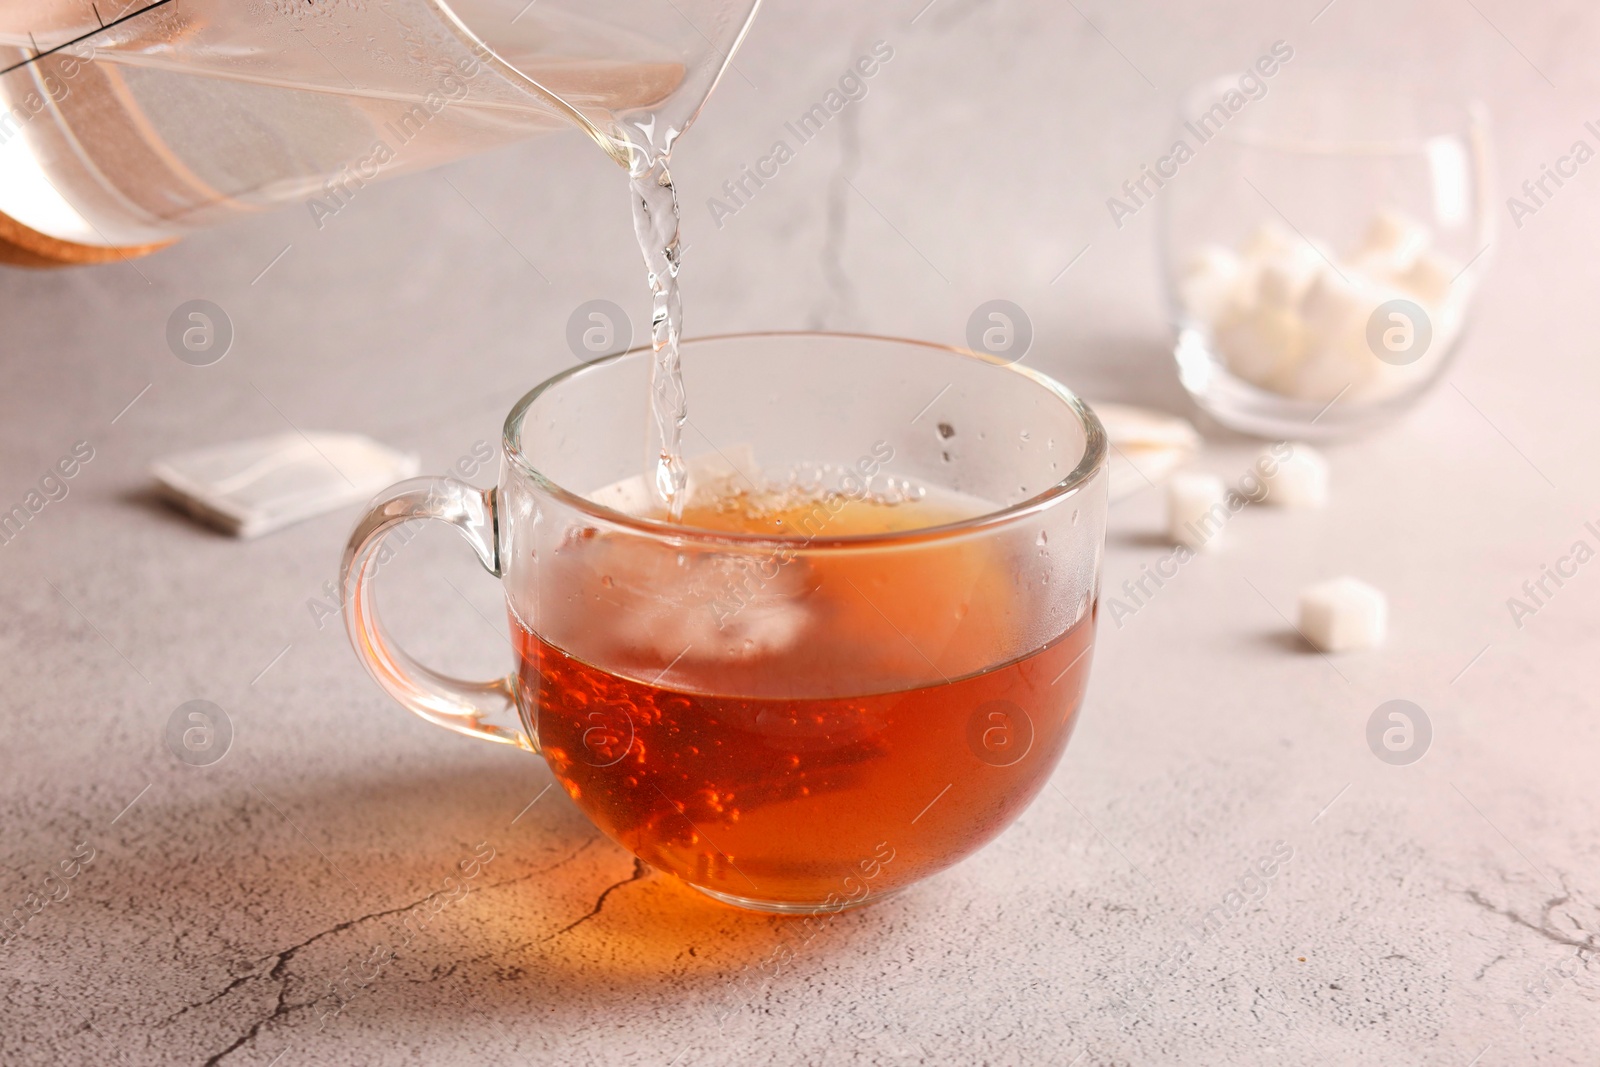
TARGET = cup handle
x,y
477,709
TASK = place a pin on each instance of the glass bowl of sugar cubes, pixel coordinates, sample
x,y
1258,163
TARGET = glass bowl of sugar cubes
x,y
1322,237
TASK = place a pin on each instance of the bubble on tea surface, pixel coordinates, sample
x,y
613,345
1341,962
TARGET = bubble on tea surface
x,y
682,606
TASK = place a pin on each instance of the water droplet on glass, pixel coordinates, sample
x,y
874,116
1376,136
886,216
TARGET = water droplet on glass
x,y
1026,436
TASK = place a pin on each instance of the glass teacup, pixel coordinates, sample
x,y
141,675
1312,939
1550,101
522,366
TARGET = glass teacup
x,y
853,663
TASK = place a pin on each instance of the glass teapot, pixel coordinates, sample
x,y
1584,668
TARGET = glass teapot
x,y
125,124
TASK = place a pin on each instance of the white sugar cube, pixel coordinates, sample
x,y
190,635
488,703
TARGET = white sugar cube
x,y
1392,244
1267,241
1430,279
1285,277
1211,283
1263,345
1343,614
1289,259
1298,480
1325,374
1197,509
1336,304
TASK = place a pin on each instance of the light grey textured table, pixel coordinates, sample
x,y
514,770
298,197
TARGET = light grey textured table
x,y
1442,913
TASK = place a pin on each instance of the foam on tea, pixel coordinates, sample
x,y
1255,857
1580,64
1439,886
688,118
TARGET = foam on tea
x,y
773,723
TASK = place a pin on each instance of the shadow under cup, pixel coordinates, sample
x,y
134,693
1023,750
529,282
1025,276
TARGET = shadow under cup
x,y
804,705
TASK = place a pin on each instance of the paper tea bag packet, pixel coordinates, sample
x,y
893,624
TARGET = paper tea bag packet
x,y
1146,446
249,488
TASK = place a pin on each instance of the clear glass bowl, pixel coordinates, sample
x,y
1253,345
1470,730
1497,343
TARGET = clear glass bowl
x,y
1321,238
